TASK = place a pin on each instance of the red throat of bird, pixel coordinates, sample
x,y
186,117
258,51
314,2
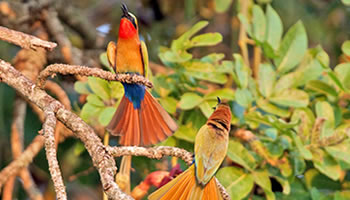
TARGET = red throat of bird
x,y
126,29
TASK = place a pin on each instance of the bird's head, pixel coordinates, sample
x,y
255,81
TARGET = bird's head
x,y
128,24
221,115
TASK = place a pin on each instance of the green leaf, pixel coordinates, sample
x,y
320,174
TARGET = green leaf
x,y
222,5
237,183
325,110
170,141
176,57
321,87
307,119
99,87
243,97
262,179
285,82
346,2
346,47
88,111
186,132
82,87
190,100
206,39
213,57
258,23
304,152
266,106
291,98
106,115
292,49
243,19
183,40
169,104
343,73
117,89
335,80
95,100
274,28
104,62
267,78
340,151
285,185
240,155
326,164
214,77
225,93
207,107
242,71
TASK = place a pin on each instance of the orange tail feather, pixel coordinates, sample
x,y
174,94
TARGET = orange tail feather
x,y
145,126
185,187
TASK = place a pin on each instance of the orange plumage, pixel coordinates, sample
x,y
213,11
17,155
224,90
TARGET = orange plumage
x,y
197,182
139,119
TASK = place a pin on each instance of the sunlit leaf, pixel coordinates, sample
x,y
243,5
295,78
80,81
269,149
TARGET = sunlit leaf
x,y
206,39
266,106
343,73
93,99
267,78
325,110
207,107
326,164
106,115
222,5
186,132
82,87
262,179
274,28
242,71
225,93
292,49
243,97
346,47
240,155
322,87
99,87
292,98
190,100
258,23
237,183
169,104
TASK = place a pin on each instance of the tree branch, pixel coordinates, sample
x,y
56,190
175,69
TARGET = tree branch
x,y
24,40
104,162
87,71
154,152
51,154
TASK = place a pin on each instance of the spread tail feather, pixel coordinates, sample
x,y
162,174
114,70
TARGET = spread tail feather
x,y
145,126
185,187
123,176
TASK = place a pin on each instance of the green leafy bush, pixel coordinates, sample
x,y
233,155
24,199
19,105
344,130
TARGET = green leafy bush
x,y
293,107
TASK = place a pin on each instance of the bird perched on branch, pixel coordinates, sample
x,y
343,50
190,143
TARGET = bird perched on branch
x,y
197,182
140,120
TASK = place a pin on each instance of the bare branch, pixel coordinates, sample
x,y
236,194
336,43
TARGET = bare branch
x,y
87,71
51,154
104,162
153,152
24,40
23,160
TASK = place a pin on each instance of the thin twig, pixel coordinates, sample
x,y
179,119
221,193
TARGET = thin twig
x,y
51,154
87,71
242,41
24,40
23,160
154,152
257,61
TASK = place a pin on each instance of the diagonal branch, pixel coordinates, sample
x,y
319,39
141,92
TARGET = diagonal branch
x,y
24,40
51,154
103,161
87,71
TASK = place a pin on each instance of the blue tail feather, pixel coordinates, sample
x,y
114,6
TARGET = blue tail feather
x,y
134,93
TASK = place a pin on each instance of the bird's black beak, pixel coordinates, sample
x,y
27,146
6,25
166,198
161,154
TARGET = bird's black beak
x,y
219,102
125,10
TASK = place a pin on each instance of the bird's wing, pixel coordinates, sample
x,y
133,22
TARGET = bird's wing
x,y
144,56
209,153
112,55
